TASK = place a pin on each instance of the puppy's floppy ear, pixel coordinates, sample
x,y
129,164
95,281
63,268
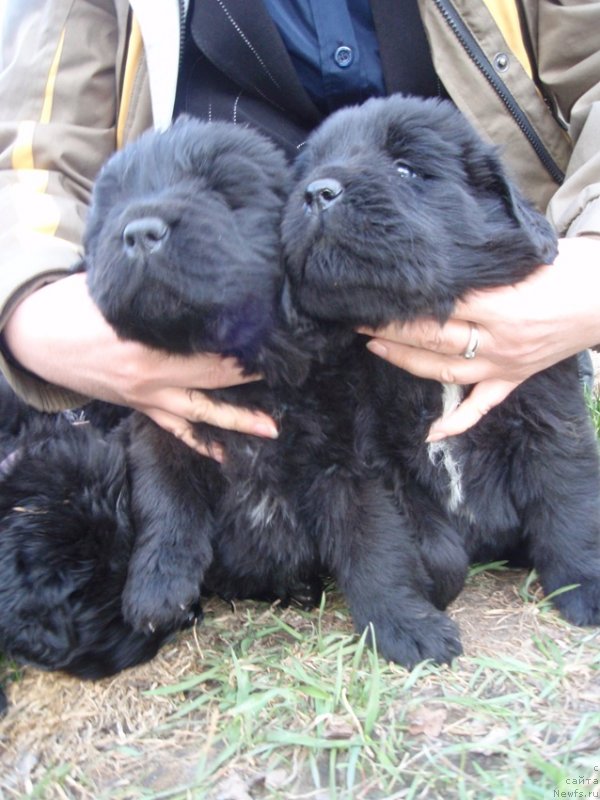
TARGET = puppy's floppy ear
x,y
283,359
312,339
288,309
489,177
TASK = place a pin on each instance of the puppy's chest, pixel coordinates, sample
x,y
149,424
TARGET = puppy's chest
x,y
468,472
448,460
265,478
262,492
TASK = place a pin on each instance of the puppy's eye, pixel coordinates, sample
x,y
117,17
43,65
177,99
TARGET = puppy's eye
x,y
404,170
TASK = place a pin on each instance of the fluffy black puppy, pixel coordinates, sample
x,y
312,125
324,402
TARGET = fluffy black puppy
x,y
400,209
182,253
65,541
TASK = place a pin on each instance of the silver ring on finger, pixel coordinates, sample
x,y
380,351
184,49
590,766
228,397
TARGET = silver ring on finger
x,y
473,342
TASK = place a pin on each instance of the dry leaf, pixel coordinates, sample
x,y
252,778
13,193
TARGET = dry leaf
x,y
428,721
233,788
275,779
337,727
491,741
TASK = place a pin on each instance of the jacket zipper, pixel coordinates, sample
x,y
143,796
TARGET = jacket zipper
x,y
481,61
182,21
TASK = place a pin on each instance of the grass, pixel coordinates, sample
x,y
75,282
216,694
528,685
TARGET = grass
x,y
264,702
593,401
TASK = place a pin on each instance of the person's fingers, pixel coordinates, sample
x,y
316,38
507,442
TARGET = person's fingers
x,y
204,409
483,397
426,333
193,405
431,365
205,370
183,431
217,372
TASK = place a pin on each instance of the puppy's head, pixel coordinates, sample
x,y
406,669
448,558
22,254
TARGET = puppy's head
x,y
182,243
399,209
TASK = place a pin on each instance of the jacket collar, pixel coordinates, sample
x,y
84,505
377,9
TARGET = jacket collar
x,y
242,41
160,27
400,31
255,58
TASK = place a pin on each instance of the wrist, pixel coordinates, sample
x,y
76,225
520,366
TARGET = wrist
x,y
579,262
59,335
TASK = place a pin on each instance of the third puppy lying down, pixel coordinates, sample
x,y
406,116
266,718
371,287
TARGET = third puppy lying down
x,y
65,540
401,209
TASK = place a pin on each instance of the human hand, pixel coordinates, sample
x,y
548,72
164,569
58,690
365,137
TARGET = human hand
x,y
522,329
59,334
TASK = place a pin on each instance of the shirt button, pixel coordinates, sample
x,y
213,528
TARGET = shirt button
x,y
343,56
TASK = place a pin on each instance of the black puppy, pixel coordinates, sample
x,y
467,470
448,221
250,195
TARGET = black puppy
x,y
400,209
182,253
65,541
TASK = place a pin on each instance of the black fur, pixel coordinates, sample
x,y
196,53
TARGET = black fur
x,y
65,540
349,488
417,211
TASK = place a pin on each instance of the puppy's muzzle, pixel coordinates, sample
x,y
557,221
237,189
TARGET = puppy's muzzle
x,y
320,195
144,236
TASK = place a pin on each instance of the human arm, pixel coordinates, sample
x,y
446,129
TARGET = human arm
x,y
60,67
523,328
56,131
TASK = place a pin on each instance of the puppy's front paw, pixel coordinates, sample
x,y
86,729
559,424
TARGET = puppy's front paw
x,y
408,642
304,593
160,600
580,605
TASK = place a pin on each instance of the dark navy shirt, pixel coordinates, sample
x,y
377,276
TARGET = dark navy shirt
x,y
333,46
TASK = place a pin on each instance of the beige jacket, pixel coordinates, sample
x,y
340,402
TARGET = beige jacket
x,y
79,78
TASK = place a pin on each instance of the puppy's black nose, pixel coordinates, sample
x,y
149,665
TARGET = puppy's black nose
x,y
145,235
323,193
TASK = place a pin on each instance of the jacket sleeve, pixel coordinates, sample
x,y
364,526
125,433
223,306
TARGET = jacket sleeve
x,y
568,58
59,93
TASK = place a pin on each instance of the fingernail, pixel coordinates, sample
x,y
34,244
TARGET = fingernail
x,y
376,347
266,430
435,435
217,453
